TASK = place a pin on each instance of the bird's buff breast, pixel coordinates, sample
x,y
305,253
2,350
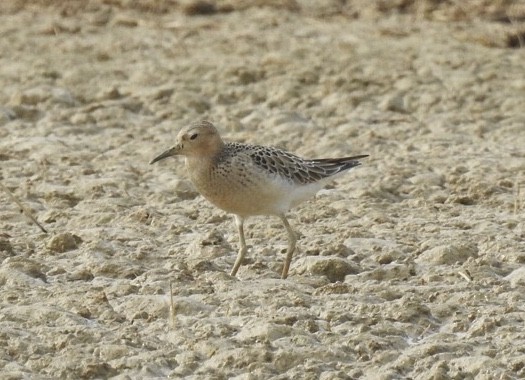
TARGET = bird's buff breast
x,y
239,193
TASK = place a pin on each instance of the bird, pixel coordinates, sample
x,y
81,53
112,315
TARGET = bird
x,y
247,180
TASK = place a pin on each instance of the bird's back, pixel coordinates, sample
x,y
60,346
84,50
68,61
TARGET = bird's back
x,y
288,166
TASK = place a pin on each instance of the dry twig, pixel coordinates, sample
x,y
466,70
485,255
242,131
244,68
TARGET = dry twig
x,y
466,275
517,200
22,208
172,306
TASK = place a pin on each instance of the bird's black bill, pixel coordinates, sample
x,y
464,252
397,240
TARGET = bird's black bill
x,y
170,152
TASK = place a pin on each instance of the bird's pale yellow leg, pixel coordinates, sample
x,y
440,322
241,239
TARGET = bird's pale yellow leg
x,y
239,221
292,239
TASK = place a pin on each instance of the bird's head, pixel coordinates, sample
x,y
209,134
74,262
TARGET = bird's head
x,y
199,139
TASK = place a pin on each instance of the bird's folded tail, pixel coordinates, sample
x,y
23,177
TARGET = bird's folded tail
x,y
337,165
322,168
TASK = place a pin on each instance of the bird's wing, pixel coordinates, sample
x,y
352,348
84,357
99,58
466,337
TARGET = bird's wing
x,y
291,167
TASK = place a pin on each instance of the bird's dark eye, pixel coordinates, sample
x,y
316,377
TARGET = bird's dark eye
x,y
194,136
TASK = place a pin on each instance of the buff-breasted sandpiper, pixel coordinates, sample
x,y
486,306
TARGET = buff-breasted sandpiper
x,y
248,180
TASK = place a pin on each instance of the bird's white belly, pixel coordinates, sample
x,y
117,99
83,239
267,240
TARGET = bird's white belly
x,y
267,197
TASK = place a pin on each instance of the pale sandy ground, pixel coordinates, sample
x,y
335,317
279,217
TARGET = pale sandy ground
x,y
410,267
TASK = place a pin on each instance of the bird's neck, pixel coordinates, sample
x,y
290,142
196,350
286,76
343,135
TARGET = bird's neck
x,y
199,169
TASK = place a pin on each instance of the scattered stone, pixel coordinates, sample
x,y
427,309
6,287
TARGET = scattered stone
x,y
427,179
394,102
517,277
6,247
334,268
448,254
184,189
263,332
111,93
63,242
22,271
392,271
335,288
26,112
126,22
199,7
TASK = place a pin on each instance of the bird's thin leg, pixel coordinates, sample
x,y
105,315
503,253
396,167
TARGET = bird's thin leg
x,y
239,221
292,239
